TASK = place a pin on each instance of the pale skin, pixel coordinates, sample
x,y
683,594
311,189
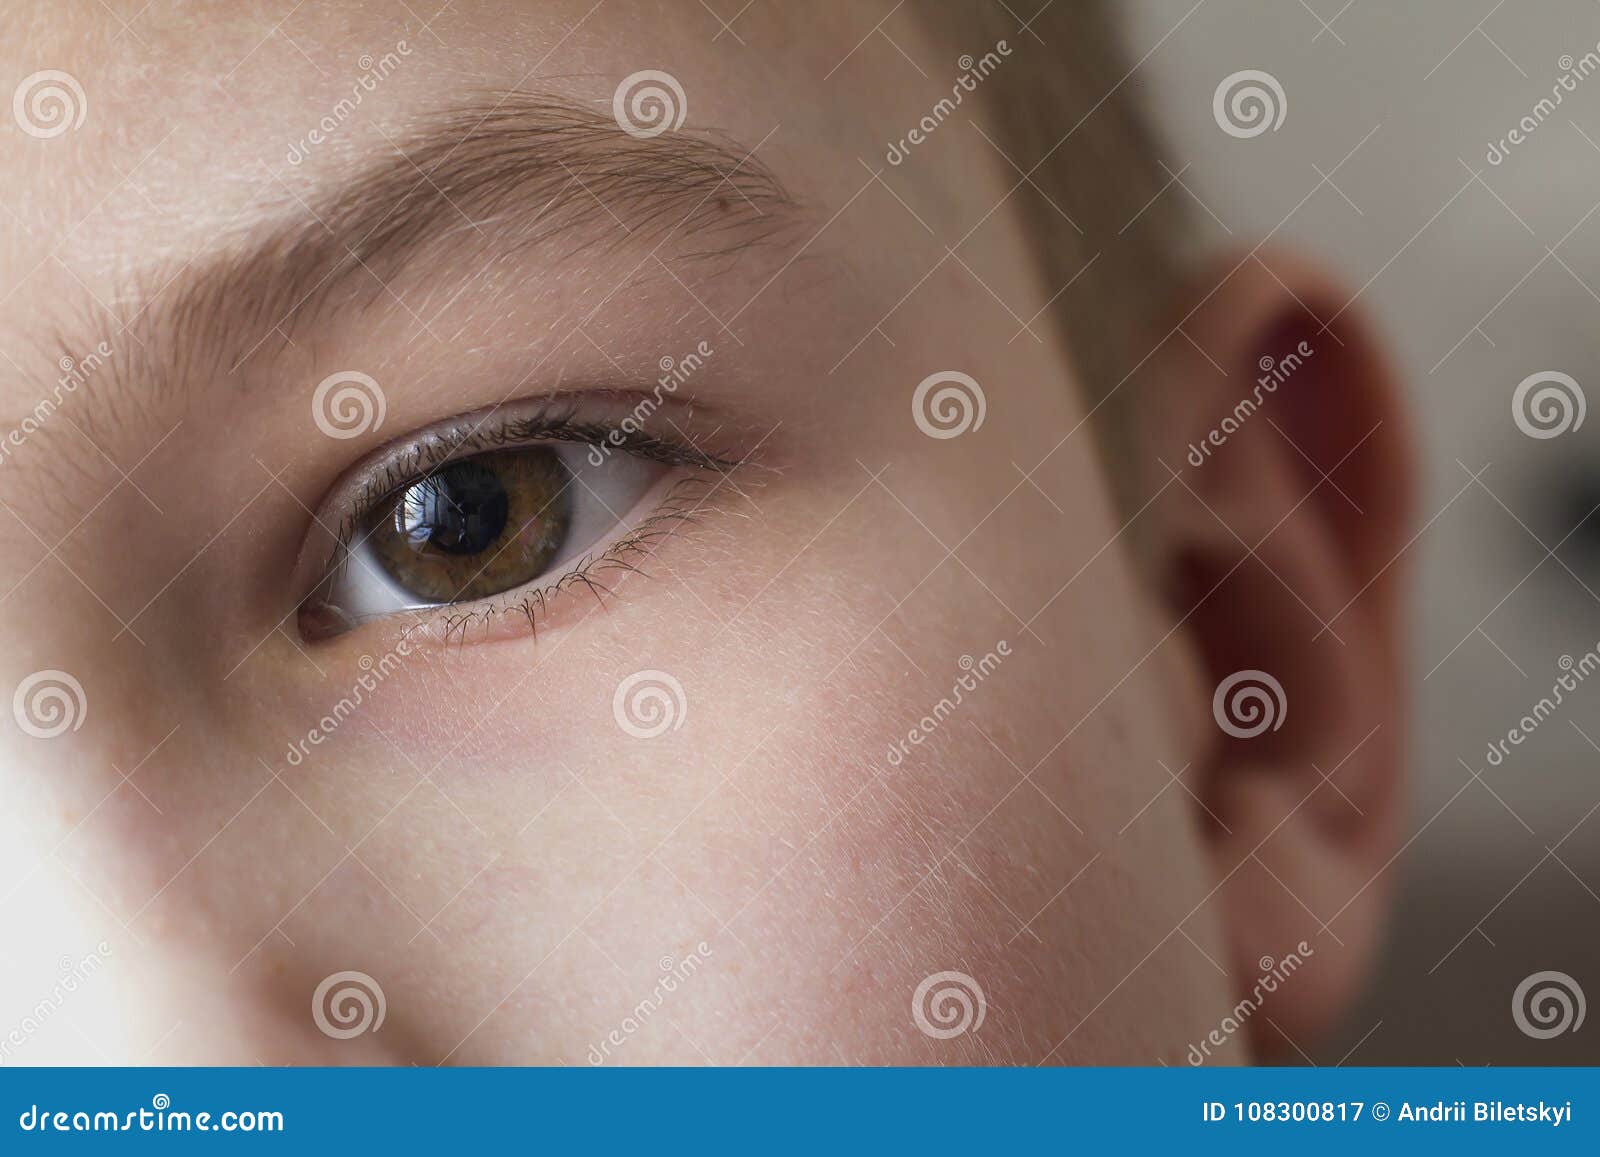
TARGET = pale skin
x,y
481,836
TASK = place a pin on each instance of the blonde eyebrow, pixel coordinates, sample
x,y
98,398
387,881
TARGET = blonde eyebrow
x,y
486,181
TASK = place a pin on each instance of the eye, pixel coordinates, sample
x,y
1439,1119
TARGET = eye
x,y
479,525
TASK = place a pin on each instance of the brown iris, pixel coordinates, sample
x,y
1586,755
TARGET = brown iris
x,y
476,527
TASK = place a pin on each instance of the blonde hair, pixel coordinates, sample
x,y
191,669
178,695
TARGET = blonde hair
x,y
1064,107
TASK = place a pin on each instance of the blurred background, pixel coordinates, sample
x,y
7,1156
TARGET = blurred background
x,y
1480,263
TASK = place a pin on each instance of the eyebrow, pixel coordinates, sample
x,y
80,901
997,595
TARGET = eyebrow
x,y
485,181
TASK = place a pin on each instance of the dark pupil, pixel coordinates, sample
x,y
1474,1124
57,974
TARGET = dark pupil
x,y
460,510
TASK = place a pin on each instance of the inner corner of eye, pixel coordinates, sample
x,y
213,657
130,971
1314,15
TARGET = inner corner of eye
x,y
477,526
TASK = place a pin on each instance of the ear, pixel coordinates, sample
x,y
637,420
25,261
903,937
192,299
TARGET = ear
x,y
1280,541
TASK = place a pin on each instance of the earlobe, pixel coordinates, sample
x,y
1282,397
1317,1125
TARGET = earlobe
x,y
1287,475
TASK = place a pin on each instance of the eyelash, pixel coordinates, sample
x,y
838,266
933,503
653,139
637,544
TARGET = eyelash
x,y
680,506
